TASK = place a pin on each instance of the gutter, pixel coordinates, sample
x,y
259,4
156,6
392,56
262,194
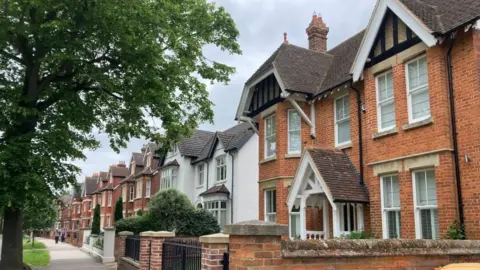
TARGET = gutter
x,y
453,36
360,139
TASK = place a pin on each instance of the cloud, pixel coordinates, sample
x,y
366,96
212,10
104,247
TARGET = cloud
x,y
261,24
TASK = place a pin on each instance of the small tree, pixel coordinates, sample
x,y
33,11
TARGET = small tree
x,y
119,209
140,213
168,207
96,220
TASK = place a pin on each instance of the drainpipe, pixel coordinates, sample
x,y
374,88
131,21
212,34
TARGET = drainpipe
x,y
206,161
454,129
360,140
231,194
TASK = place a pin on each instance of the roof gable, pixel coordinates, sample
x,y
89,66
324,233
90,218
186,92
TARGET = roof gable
x,y
375,24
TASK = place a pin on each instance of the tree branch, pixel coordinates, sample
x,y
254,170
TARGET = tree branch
x,y
13,57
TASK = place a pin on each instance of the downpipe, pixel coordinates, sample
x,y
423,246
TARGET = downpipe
x,y
360,137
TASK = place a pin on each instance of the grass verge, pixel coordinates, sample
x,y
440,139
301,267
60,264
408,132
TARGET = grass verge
x,y
36,257
36,245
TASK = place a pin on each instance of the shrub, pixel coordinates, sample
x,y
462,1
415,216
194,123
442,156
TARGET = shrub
x,y
198,222
135,225
140,213
96,220
358,235
455,231
119,209
168,207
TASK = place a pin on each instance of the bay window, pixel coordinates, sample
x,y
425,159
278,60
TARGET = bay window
x,y
132,192
271,205
342,121
109,198
391,206
294,134
148,188
426,214
221,169
417,89
169,178
270,136
219,211
385,101
139,188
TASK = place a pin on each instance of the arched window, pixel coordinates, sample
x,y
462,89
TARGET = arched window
x,y
199,206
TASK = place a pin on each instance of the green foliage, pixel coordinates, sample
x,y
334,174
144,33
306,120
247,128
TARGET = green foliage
x,y
36,257
171,210
119,209
358,235
455,231
38,220
36,245
96,220
140,213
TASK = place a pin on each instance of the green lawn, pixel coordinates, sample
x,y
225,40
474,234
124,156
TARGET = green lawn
x,y
36,257
37,245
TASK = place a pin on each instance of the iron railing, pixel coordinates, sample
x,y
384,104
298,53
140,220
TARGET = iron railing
x,y
181,254
132,248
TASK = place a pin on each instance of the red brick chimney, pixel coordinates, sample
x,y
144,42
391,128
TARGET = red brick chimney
x,y
121,164
317,34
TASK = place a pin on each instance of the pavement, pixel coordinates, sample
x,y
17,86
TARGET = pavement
x,y
67,257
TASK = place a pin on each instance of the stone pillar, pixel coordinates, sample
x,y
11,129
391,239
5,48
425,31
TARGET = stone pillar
x,y
93,239
108,244
213,247
119,251
151,245
86,234
255,244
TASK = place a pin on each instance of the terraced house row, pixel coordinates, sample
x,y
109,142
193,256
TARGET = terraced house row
x,y
377,134
205,166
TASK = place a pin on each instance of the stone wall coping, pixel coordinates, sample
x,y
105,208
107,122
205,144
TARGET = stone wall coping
x,y
125,233
132,262
163,234
217,238
256,227
109,228
377,247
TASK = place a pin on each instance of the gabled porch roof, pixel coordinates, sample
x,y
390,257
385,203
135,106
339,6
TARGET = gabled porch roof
x,y
334,175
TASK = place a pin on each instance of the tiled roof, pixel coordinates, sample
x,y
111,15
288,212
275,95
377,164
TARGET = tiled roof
x,y
151,169
232,138
193,145
107,187
171,163
339,174
216,189
138,158
442,16
118,171
90,185
103,176
77,191
66,199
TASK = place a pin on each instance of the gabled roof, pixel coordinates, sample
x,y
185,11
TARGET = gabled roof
x,y
103,176
193,145
90,185
118,171
138,158
171,163
231,139
215,190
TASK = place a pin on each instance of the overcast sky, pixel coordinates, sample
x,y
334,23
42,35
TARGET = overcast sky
x,y
261,24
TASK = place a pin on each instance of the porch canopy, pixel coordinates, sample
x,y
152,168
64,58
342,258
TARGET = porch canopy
x,y
326,181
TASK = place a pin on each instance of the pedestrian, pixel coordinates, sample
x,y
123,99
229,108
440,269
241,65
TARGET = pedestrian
x,y
56,236
62,235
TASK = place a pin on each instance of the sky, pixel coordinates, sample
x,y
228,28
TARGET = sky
x,y
261,24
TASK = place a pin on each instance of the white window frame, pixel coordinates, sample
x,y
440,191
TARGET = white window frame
x,y
267,201
201,175
219,167
267,136
131,192
357,218
341,120
148,188
104,199
109,194
417,208
294,129
139,184
387,101
89,206
293,214
409,92
390,209
217,211
124,193
168,179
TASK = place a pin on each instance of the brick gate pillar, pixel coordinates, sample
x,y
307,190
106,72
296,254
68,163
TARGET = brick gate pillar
x,y
120,244
151,246
213,248
255,244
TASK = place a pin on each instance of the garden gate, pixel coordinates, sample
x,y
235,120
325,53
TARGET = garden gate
x,y
181,254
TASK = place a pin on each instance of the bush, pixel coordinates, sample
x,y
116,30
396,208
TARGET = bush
x,y
139,213
455,231
119,209
96,220
170,210
358,235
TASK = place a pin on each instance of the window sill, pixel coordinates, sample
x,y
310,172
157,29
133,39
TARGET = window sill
x,y
268,159
385,133
294,155
418,124
199,187
220,182
344,146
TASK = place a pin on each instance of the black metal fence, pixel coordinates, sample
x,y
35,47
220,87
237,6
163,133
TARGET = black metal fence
x,y
181,254
226,261
132,248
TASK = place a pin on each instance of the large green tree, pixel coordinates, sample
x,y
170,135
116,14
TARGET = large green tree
x,y
69,68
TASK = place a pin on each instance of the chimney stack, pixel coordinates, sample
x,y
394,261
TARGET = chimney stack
x,y
317,34
121,164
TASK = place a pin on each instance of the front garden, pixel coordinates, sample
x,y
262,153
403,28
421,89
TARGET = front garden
x,y
35,255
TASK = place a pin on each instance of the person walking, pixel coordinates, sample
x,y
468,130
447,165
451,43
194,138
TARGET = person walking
x,y
62,236
56,236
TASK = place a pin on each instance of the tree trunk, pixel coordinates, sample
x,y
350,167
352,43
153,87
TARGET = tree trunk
x,y
12,242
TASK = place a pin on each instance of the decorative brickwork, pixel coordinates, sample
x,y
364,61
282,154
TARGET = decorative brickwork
x,y
213,248
151,245
120,244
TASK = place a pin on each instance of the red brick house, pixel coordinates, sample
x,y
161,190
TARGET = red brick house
x,y
88,187
377,133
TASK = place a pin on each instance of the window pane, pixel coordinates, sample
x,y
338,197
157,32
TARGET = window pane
x,y
294,141
339,109
387,194
420,104
435,223
421,188
426,223
389,85
295,225
413,74
223,218
343,130
422,70
395,192
382,88
387,114
392,224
